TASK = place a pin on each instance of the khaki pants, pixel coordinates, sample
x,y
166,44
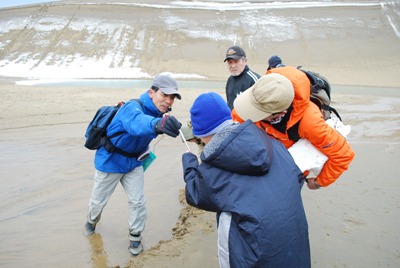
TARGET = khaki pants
x,y
133,184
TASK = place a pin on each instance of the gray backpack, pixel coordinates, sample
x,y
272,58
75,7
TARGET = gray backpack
x,y
320,95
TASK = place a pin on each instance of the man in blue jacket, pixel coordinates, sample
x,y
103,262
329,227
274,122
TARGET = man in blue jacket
x,y
139,122
252,183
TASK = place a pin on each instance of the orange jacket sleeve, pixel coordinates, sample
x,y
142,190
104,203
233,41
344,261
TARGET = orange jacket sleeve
x,y
328,141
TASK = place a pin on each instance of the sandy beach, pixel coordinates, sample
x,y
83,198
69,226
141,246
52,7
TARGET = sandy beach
x,y
47,173
47,179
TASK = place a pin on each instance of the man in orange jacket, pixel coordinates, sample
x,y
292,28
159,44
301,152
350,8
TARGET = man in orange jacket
x,y
279,103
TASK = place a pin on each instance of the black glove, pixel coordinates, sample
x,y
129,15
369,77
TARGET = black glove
x,y
168,125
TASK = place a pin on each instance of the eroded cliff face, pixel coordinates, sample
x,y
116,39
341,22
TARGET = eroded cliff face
x,y
100,40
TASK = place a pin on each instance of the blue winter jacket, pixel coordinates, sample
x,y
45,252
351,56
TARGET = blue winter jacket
x,y
252,178
138,123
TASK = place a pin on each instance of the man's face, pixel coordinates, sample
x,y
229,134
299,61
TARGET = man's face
x,y
162,101
275,118
236,67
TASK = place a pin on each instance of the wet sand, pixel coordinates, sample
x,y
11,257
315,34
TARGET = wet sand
x,y
47,179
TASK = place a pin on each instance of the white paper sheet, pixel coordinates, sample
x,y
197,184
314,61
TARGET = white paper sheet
x,y
307,157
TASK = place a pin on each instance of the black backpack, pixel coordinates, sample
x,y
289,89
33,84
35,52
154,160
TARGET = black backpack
x,y
96,132
320,95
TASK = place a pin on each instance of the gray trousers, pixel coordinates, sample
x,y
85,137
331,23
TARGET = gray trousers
x,y
133,184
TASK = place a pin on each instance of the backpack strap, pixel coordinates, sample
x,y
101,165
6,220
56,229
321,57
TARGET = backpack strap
x,y
111,148
293,132
138,101
335,112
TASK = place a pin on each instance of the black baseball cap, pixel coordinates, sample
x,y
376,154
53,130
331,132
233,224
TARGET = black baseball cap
x,y
235,52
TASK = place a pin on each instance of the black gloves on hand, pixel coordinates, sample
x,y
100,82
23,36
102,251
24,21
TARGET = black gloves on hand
x,y
168,125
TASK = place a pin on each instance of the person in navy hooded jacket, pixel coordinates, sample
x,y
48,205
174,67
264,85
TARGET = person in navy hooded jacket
x,y
139,123
252,183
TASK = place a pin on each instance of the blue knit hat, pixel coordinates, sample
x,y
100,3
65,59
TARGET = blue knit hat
x,y
209,114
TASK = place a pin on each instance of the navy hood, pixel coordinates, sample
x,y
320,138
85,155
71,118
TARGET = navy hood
x,y
226,146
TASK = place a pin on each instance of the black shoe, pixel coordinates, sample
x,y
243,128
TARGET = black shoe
x,y
89,228
135,248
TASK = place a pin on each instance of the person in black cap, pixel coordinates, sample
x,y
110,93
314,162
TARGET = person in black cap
x,y
133,128
241,76
274,62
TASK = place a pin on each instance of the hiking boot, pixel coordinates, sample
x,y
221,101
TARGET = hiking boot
x,y
89,228
135,248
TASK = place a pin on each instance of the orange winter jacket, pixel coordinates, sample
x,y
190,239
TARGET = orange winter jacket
x,y
312,127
